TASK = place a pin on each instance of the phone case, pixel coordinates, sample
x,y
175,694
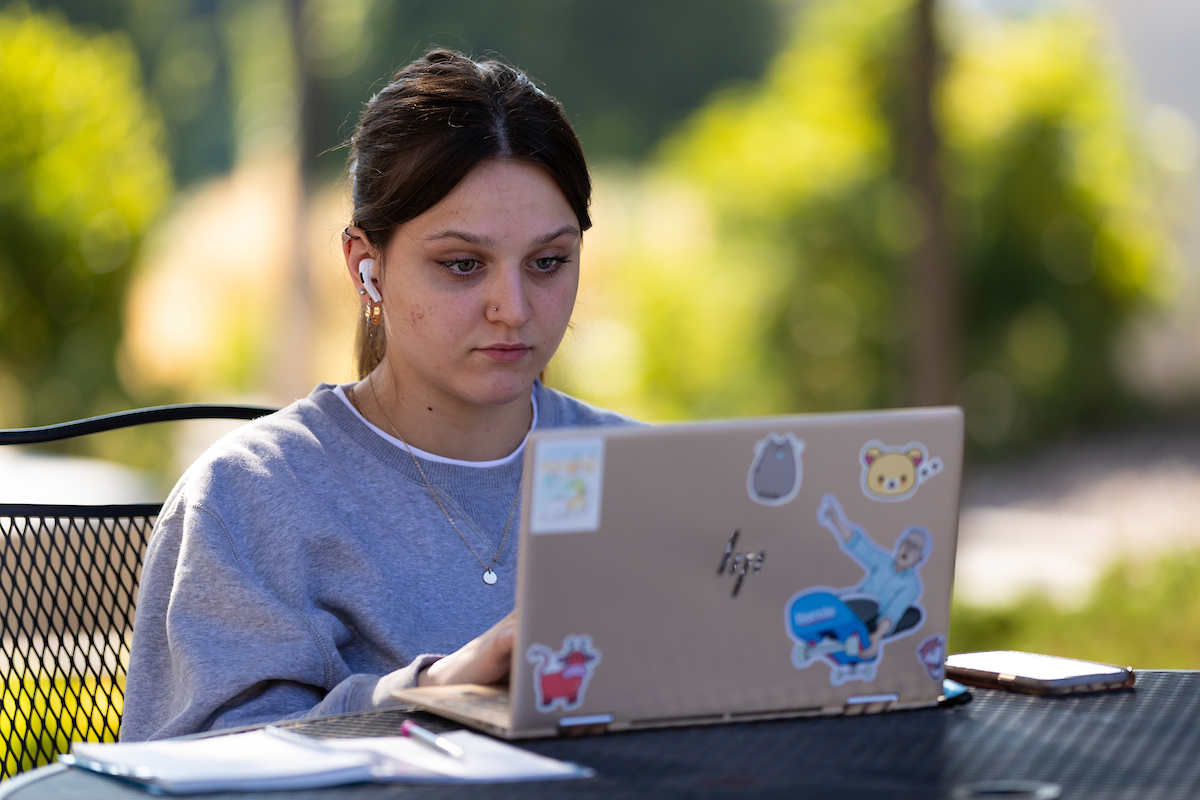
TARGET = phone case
x,y
1026,685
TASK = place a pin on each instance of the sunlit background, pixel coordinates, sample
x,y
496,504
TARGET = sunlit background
x,y
800,206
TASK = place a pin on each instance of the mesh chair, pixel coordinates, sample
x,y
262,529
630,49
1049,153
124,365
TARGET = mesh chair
x,y
68,584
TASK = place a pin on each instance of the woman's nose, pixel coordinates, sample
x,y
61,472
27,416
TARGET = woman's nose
x,y
508,302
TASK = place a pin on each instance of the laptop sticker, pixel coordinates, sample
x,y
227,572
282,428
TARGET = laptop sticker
x,y
561,679
847,628
568,476
777,471
931,652
895,473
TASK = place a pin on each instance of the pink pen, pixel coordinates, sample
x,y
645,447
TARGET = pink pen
x,y
439,743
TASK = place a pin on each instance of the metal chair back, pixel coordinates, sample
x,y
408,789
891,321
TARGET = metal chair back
x,y
68,589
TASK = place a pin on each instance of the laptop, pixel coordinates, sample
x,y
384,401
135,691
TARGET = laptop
x,y
727,571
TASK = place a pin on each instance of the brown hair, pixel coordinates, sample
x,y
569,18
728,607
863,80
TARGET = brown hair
x,y
439,118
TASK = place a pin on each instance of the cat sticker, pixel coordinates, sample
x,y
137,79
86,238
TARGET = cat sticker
x,y
777,471
561,679
894,473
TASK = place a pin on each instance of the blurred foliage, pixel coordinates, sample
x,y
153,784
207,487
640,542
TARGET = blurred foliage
x,y
627,70
82,176
1059,234
763,256
813,225
182,65
1145,615
42,713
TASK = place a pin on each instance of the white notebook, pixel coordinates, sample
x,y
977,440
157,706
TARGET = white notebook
x,y
274,758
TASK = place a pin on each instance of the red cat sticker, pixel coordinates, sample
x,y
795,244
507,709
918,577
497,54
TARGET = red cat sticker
x,y
561,679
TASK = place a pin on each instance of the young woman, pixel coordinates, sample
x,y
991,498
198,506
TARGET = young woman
x,y
321,557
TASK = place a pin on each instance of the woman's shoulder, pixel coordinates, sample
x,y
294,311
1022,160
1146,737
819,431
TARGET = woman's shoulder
x,y
290,441
559,410
293,427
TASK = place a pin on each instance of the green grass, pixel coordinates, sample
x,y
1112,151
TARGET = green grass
x,y
69,711
1145,615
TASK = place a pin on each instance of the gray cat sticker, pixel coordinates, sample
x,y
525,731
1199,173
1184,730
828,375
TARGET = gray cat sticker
x,y
777,471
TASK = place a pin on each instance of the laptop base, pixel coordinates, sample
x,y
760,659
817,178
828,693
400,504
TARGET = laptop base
x,y
487,708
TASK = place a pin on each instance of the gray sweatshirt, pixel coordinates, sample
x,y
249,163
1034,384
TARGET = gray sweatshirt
x,y
300,568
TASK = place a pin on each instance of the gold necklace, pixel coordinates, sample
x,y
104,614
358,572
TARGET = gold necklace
x,y
489,573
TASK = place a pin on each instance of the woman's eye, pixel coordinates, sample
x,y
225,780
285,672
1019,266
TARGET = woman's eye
x,y
549,263
461,266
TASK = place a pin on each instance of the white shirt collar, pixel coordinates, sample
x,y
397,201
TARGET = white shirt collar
x,y
340,391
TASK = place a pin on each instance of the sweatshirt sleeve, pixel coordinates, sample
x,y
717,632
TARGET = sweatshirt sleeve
x,y
213,647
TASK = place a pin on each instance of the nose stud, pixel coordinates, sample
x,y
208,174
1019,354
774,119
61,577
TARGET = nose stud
x,y
495,308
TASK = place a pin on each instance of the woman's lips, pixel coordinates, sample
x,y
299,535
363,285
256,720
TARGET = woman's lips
x,y
505,352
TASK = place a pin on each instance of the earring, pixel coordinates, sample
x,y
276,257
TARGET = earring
x,y
374,314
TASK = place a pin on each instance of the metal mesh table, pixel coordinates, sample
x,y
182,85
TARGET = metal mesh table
x,y
1143,744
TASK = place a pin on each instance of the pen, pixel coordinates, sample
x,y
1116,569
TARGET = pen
x,y
439,743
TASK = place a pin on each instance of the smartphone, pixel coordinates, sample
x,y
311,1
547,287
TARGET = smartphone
x,y
1033,673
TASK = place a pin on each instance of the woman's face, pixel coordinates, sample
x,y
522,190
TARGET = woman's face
x,y
478,290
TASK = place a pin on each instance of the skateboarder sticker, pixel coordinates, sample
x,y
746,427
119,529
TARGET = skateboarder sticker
x,y
847,628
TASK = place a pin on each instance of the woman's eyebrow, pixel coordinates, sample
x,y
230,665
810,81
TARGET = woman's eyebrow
x,y
565,230
472,238
469,238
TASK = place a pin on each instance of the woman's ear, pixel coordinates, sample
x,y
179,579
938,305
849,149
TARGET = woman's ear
x,y
361,259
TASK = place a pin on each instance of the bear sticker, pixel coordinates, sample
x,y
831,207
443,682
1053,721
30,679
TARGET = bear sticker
x,y
561,679
777,471
895,473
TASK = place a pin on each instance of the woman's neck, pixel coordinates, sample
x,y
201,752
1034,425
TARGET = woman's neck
x,y
439,424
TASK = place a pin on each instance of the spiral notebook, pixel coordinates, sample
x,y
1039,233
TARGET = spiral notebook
x,y
276,758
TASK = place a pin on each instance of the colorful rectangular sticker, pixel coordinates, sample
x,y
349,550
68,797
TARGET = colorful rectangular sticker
x,y
567,486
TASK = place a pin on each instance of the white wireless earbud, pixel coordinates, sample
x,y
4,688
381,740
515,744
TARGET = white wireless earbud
x,y
366,274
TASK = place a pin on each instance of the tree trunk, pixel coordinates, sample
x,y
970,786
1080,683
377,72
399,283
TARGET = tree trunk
x,y
934,282
298,318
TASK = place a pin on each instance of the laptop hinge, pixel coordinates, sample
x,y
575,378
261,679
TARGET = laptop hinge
x,y
585,725
870,704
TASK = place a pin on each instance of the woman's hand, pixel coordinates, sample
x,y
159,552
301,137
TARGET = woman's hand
x,y
485,659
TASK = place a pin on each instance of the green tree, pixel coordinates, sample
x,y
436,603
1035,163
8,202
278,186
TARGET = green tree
x,y
627,70
807,179
82,175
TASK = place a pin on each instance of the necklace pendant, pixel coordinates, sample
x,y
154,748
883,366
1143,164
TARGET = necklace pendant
x,y
489,577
